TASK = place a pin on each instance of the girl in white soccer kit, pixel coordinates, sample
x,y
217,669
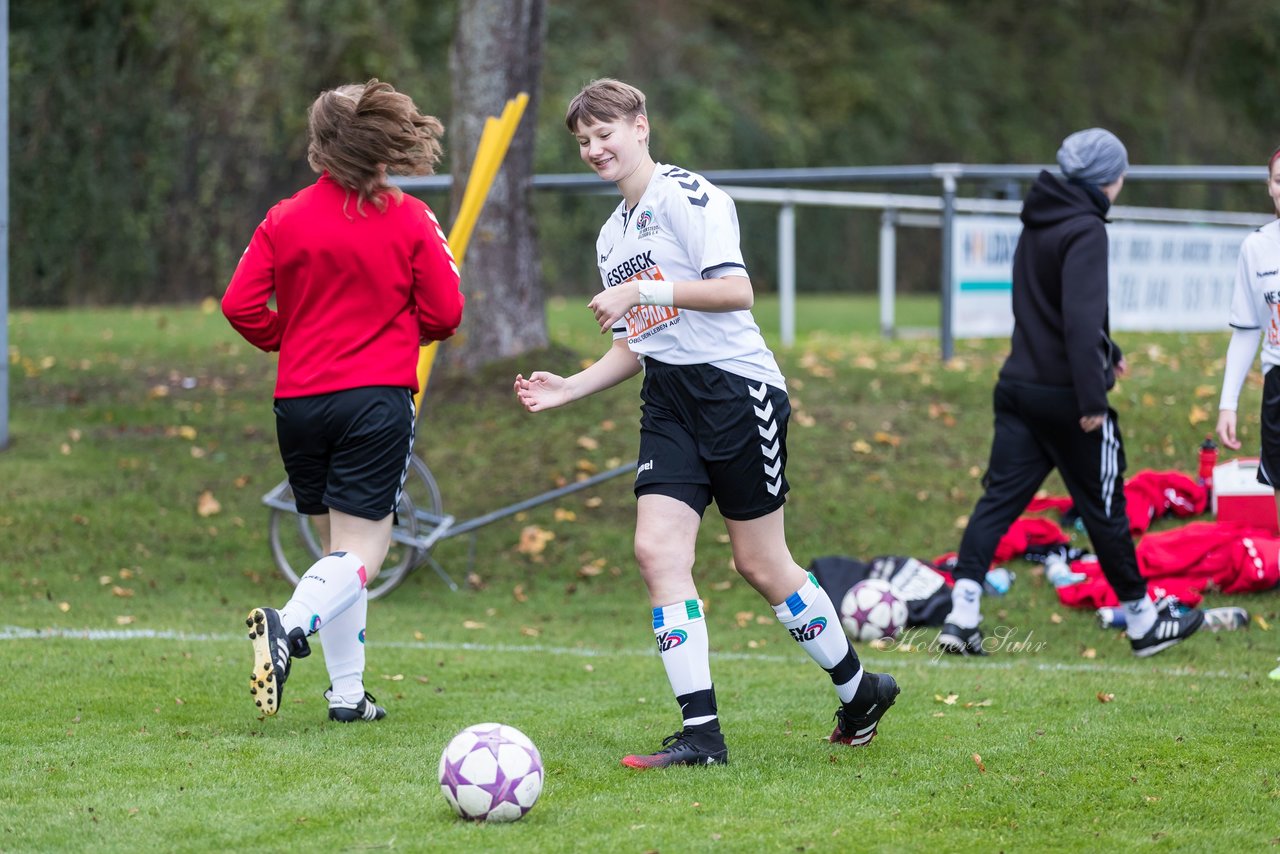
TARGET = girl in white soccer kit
x,y
713,423
1255,313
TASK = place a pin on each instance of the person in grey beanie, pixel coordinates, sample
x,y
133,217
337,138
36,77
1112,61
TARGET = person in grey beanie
x,y
1050,400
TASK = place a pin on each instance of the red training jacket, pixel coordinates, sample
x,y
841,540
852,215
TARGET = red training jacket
x,y
356,294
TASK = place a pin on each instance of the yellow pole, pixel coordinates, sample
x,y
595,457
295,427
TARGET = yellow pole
x,y
494,142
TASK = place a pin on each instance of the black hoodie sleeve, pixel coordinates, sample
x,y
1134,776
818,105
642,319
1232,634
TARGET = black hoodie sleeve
x,y
1084,315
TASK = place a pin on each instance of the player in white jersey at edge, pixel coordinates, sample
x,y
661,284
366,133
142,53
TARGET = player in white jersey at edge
x,y
713,423
1255,313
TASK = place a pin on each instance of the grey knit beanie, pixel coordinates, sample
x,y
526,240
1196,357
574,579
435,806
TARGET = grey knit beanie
x,y
1093,156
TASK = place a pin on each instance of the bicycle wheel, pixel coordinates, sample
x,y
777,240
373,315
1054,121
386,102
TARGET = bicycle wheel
x,y
418,515
295,545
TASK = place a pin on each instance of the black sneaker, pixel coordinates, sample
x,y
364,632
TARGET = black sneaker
x,y
1175,623
957,641
689,746
365,710
856,727
272,651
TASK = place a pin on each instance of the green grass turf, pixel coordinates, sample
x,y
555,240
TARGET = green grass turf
x,y
125,724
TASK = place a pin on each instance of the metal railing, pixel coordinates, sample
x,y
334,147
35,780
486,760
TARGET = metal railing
x,y
759,186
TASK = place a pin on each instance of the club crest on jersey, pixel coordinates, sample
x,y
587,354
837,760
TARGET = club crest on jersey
x,y
810,630
671,639
646,226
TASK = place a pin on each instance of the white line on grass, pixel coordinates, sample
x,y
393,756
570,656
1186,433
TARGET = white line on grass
x,y
20,633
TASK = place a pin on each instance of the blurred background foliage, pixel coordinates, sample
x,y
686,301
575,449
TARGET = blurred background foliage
x,y
148,138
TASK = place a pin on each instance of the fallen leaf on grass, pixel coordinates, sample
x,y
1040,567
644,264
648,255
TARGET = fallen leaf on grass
x,y
1262,624
472,624
398,677
889,439
743,618
1198,415
1105,698
125,619
518,593
564,515
1055,618
950,699
64,607
979,704
419,636
530,631
861,447
586,443
1088,652
594,501
590,570
977,760
207,505
533,540
121,592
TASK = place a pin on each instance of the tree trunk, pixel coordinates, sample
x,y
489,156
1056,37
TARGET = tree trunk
x,y
496,54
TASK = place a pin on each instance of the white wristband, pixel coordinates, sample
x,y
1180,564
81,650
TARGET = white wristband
x,y
657,292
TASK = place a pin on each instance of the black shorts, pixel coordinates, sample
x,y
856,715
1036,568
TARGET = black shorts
x,y
347,451
708,434
1269,459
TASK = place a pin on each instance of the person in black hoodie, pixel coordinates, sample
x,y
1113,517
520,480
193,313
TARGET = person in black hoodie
x,y
1051,406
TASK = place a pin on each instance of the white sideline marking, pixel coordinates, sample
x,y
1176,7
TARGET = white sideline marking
x,y
20,633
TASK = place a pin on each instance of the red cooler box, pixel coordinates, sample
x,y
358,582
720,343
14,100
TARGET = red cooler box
x,y
1238,497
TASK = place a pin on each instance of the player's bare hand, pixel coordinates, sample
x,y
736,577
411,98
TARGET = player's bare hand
x,y
1122,367
542,390
1089,423
1227,428
612,303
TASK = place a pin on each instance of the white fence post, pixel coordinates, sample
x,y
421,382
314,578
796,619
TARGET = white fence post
x,y
787,272
888,270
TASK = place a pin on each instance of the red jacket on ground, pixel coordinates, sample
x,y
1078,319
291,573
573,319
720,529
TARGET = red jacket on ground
x,y
357,292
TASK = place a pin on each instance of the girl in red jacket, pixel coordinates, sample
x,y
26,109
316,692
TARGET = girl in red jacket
x,y
362,276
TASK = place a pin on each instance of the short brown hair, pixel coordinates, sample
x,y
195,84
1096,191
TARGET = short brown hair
x,y
355,128
604,100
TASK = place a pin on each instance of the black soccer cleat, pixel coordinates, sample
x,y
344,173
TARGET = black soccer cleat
x,y
689,746
272,652
1175,623
365,710
954,640
856,727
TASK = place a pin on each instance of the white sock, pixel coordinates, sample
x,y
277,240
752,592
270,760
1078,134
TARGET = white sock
x,y
681,632
328,588
966,604
342,639
1140,616
811,618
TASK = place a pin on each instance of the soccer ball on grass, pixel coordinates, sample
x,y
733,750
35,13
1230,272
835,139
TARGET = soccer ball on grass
x,y
873,609
491,772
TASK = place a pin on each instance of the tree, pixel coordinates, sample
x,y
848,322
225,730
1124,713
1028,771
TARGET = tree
x,y
497,52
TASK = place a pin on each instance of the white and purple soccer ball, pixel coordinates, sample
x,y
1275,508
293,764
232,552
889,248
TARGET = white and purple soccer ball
x,y
873,609
491,772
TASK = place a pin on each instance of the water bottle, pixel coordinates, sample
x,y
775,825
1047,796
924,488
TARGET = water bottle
x,y
1225,619
1112,618
1059,573
998,581
1208,459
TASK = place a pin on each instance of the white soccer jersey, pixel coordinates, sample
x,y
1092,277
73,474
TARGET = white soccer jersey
x,y
683,229
1255,303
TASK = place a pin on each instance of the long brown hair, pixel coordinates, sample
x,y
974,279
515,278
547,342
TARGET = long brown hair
x,y
354,129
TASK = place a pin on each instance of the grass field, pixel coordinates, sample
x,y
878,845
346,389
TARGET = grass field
x,y
134,541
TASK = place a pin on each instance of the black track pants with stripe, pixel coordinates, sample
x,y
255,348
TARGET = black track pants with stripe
x,y
1037,429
